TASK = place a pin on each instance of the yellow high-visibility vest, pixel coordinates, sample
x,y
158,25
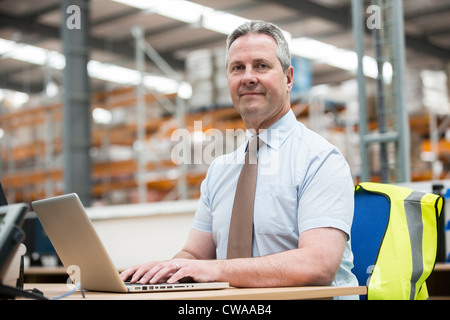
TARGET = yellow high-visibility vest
x,y
407,254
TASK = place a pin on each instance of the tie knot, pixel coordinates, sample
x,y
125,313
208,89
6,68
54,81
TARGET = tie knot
x,y
252,149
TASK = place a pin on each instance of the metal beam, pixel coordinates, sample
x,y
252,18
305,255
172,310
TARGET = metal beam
x,y
115,17
423,13
342,17
43,10
30,87
389,46
426,47
77,119
339,16
404,141
121,47
30,25
358,36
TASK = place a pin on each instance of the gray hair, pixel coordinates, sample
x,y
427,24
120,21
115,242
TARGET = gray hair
x,y
257,26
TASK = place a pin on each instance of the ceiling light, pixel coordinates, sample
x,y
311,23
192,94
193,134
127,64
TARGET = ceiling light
x,y
51,89
19,98
328,54
185,91
102,116
96,69
181,10
223,22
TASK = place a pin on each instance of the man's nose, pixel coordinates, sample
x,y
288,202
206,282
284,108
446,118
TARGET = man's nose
x,y
249,77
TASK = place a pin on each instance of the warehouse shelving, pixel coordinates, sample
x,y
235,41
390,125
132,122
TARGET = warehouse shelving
x,y
32,167
30,162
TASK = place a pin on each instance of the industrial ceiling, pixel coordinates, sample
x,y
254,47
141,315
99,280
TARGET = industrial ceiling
x,y
38,23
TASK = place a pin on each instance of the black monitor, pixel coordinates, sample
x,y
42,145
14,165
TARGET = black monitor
x,y
11,236
11,233
3,201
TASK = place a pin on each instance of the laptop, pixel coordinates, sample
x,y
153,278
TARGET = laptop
x,y
79,247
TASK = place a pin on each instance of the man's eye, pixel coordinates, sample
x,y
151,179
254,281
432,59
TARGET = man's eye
x,y
237,68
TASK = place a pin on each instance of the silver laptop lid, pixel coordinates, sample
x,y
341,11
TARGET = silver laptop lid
x,y
77,244
81,251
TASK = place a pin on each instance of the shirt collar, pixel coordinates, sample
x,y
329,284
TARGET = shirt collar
x,y
277,133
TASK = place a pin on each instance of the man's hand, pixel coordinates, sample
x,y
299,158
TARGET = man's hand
x,y
314,262
135,273
200,245
176,270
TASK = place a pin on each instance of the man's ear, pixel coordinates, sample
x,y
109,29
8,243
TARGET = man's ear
x,y
290,77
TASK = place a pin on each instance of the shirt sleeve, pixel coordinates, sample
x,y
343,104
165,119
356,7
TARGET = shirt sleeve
x,y
326,198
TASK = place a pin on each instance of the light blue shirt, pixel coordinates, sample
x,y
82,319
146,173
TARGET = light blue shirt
x,y
303,182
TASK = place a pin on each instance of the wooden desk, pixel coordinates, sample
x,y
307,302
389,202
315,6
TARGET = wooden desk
x,y
52,290
45,275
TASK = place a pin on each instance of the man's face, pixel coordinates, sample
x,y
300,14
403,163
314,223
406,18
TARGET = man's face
x,y
258,86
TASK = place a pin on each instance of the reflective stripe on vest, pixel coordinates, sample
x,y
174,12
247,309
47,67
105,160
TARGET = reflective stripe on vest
x,y
399,271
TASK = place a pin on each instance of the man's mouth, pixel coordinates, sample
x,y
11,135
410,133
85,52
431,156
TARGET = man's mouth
x,y
251,93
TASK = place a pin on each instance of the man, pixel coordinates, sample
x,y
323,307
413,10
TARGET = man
x,y
303,207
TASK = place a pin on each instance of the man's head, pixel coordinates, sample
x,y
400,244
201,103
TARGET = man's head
x,y
257,26
259,73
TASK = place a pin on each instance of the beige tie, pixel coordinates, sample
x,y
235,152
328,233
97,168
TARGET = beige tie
x,y
240,237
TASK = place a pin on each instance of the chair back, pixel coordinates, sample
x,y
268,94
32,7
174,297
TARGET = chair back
x,y
370,221
394,240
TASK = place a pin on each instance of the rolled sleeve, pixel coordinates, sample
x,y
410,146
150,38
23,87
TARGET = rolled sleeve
x,y
327,199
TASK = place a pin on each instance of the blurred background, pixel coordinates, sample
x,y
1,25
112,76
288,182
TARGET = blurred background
x,y
125,102
92,91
